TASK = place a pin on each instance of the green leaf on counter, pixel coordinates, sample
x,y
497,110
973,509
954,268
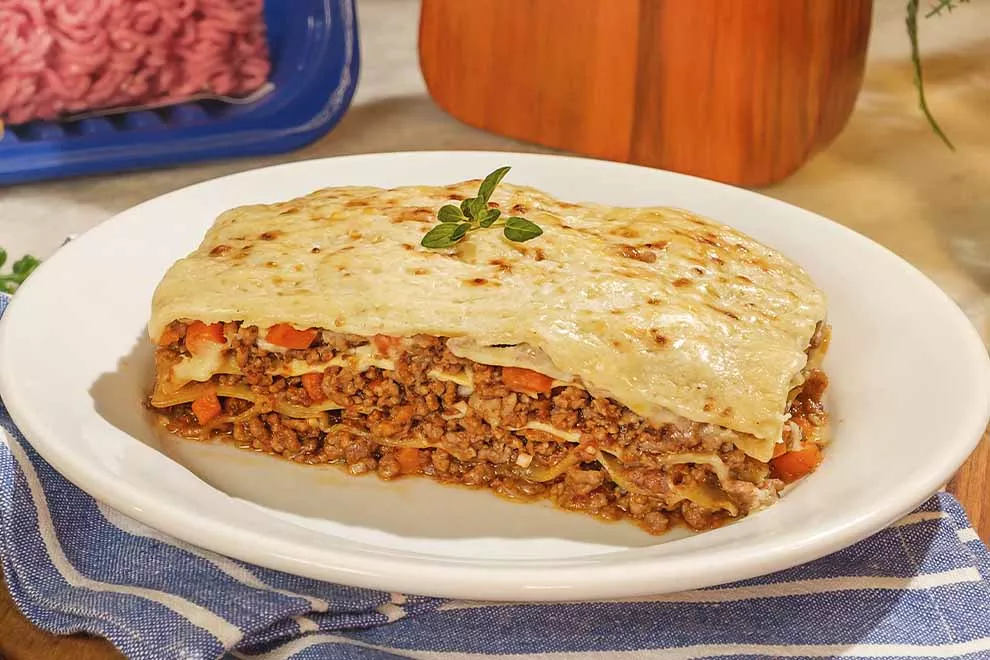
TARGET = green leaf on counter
x,y
20,271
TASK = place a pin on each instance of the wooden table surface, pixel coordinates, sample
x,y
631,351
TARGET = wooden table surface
x,y
886,177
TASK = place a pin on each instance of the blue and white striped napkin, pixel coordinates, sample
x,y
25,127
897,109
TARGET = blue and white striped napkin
x,y
920,588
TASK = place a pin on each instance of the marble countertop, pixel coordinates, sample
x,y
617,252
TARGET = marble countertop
x,y
887,175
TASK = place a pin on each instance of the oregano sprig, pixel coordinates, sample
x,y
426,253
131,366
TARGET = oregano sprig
x,y
473,214
912,29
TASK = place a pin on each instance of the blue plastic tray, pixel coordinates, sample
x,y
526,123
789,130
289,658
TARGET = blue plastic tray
x,y
315,61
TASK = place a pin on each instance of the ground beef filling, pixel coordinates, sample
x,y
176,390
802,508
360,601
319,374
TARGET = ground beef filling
x,y
404,421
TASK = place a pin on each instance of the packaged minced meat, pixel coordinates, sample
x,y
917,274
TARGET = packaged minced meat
x,y
61,59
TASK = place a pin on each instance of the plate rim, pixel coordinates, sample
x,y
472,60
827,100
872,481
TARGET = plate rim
x,y
453,576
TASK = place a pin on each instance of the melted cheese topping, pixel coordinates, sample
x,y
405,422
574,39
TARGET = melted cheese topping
x,y
659,308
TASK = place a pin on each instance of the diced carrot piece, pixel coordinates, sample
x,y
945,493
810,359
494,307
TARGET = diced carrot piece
x,y
206,407
408,458
385,343
312,384
780,449
793,465
526,380
199,336
169,336
284,335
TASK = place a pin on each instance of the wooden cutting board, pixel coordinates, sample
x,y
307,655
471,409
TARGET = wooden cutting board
x,y
742,91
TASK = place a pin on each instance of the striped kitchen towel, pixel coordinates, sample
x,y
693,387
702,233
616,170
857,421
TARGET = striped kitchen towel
x,y
917,589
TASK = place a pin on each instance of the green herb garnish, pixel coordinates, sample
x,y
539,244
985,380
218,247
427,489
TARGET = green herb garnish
x,y
912,29
474,214
20,271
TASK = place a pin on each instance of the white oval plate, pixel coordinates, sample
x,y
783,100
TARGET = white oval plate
x,y
910,396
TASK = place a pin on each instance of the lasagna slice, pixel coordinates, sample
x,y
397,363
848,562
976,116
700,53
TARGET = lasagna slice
x,y
645,363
